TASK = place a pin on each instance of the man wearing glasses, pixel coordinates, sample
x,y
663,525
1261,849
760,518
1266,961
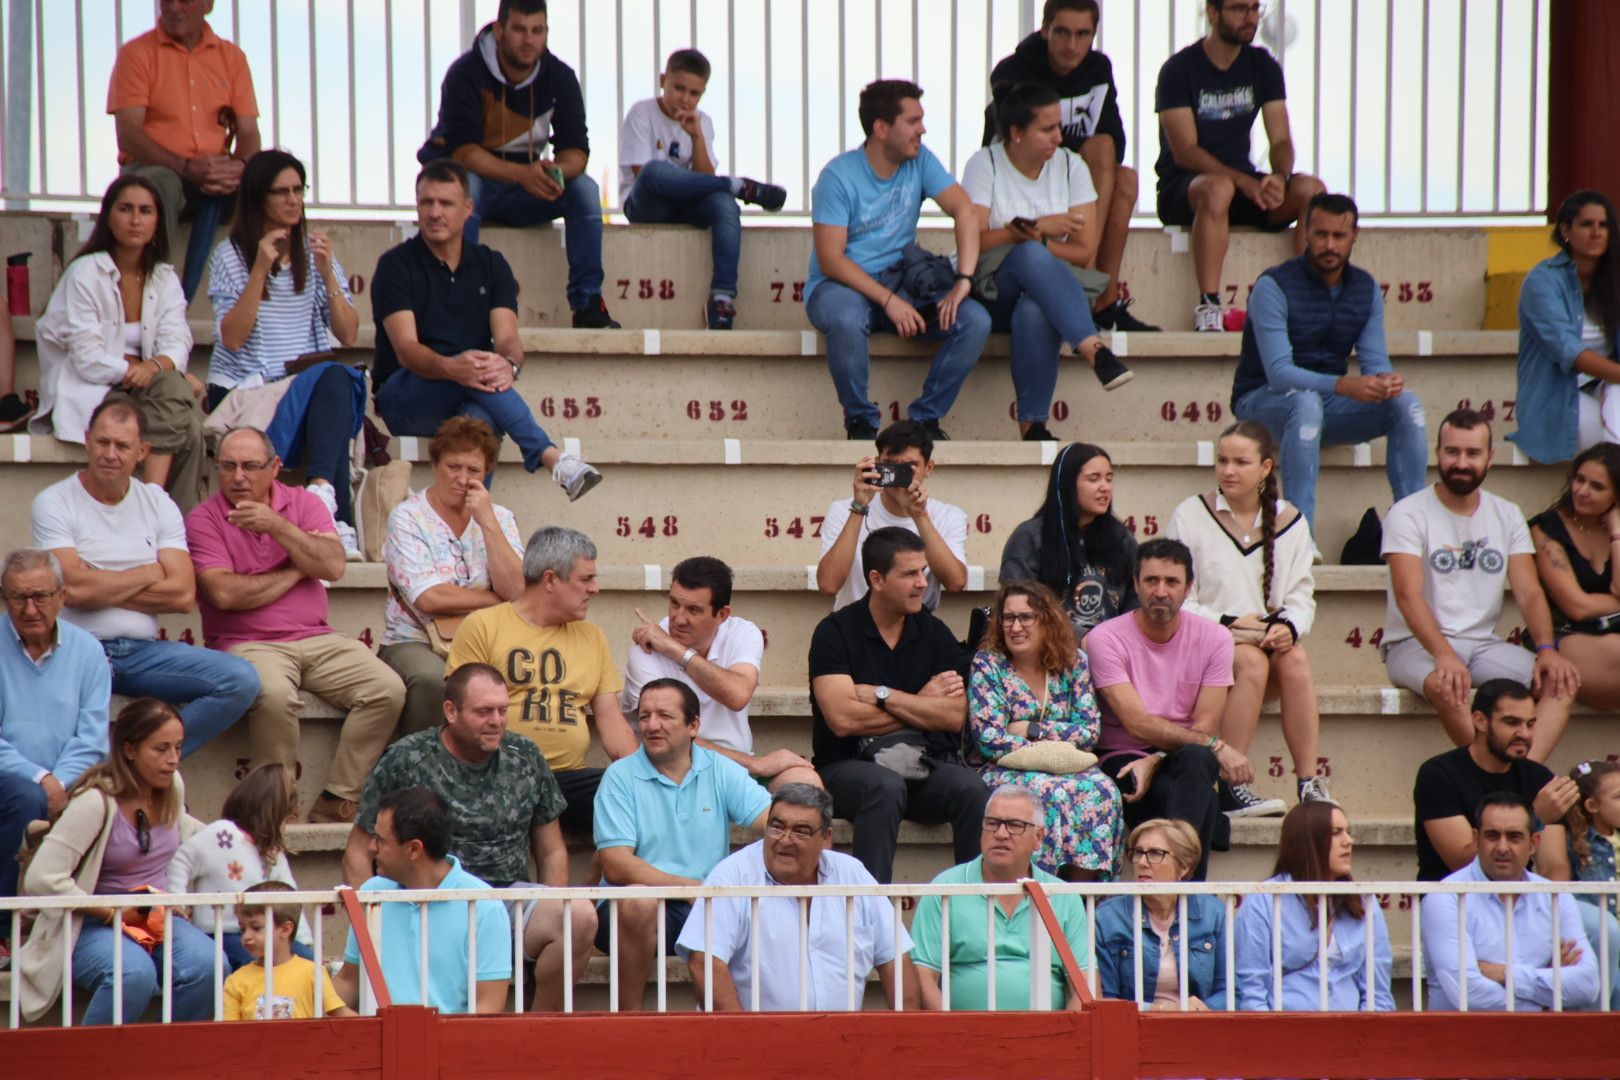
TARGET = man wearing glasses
x,y
54,684
263,552
1014,820
796,851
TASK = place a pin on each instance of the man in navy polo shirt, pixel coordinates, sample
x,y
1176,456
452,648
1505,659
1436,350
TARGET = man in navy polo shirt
x,y
888,697
447,332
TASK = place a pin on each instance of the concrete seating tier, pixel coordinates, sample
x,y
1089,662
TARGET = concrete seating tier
x,y
657,276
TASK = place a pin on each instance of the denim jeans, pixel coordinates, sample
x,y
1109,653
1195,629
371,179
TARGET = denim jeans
x,y
848,319
21,801
412,405
218,688
666,194
1304,421
193,985
581,210
1039,300
1591,917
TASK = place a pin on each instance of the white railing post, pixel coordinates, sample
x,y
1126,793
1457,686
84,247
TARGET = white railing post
x,y
1507,959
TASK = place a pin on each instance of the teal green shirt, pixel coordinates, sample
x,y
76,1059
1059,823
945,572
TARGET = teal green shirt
x,y
970,973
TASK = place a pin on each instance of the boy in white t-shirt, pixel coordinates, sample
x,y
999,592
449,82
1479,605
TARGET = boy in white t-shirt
x,y
667,175
1449,548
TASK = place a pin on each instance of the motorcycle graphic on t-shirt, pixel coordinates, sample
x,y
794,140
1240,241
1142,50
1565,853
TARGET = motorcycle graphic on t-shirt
x,y
1473,554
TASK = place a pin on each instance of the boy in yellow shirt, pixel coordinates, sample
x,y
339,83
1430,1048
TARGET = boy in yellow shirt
x,y
293,980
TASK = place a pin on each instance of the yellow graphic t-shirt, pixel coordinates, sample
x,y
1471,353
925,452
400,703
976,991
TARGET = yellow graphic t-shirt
x,y
551,675
292,989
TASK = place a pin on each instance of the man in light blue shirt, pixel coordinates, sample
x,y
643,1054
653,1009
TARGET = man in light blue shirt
x,y
1305,317
796,851
411,846
663,817
863,216
1506,838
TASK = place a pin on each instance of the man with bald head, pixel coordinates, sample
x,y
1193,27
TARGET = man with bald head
x,y
263,552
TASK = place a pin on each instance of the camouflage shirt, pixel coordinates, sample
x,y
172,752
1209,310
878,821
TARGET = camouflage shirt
x,y
493,806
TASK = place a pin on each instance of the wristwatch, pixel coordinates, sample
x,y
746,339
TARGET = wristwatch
x,y
516,371
882,695
686,657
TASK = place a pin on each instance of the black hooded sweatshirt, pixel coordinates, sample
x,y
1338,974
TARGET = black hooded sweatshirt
x,y
1089,99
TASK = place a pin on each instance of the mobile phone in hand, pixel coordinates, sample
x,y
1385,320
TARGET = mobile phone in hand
x,y
1022,223
892,474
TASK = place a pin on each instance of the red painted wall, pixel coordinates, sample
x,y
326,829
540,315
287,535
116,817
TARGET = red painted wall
x,y
1583,84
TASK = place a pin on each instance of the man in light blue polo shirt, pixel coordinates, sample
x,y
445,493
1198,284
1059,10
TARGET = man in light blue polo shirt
x,y
1013,822
411,846
663,816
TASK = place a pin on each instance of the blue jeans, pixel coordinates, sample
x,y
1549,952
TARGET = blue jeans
x,y
1590,916
581,210
1039,300
193,986
412,405
666,194
21,801
218,688
848,319
1304,421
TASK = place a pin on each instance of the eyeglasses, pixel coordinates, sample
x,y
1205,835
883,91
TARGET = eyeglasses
x,y
297,191
143,832
802,834
1153,856
21,600
248,467
1014,826
1018,618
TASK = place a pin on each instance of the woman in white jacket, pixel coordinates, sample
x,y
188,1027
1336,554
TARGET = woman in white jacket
x,y
117,320
1252,556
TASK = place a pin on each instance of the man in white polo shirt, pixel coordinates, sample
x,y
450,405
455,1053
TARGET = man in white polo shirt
x,y
701,643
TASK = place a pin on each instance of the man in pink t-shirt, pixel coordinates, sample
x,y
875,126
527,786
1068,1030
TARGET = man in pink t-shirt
x,y
1162,676
262,550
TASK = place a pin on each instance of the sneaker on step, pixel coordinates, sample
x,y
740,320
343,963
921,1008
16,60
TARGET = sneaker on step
x,y
1240,800
1117,316
345,531
14,412
574,476
859,431
720,312
771,197
594,316
331,810
1110,370
1039,432
1208,318
1314,789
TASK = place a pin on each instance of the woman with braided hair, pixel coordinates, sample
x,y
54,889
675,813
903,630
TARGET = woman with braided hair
x,y
1252,552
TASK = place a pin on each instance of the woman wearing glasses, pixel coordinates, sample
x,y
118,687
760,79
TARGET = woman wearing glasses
x,y
450,551
124,820
1315,846
279,293
1162,851
1030,686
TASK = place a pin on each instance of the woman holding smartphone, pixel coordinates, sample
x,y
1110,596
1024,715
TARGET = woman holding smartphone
x,y
1253,552
1037,220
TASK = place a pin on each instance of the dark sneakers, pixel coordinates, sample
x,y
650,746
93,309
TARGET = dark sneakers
x,y
1111,372
859,431
721,313
771,197
14,412
1039,432
594,316
1117,316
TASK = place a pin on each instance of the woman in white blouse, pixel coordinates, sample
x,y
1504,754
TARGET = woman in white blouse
x,y
117,321
1037,221
1252,555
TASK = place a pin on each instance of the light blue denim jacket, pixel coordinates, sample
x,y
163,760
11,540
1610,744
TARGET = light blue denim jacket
x,y
1206,950
1347,965
1551,309
1601,868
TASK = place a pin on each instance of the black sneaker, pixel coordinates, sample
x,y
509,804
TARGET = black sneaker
x,y
935,432
1117,316
859,430
1240,800
594,316
1039,432
14,412
1110,371
721,313
771,197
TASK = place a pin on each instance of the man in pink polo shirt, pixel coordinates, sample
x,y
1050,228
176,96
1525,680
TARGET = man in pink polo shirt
x,y
262,550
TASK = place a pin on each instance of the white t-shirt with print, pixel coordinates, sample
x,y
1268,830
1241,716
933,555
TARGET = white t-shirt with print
x,y
949,521
1464,561
993,181
647,134
737,641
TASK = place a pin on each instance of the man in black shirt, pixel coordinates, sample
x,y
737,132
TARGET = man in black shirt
x,y
1207,98
888,697
447,333
1060,55
1450,785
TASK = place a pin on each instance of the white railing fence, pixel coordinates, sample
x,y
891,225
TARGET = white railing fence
x,y
1039,948
1419,109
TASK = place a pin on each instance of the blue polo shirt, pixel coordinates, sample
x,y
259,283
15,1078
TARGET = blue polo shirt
x,y
451,306
684,830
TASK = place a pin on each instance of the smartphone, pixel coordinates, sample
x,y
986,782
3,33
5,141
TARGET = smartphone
x,y
556,174
1126,783
892,474
1272,617
1021,223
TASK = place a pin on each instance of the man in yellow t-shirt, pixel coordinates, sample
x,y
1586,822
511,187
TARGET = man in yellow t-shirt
x,y
558,668
294,978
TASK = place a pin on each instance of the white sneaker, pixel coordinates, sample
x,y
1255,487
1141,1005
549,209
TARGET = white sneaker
x,y
574,476
1209,317
345,531
1245,802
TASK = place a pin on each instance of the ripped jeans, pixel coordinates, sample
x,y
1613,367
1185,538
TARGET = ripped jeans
x,y
1304,421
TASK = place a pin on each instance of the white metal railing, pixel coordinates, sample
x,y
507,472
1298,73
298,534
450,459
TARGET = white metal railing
x,y
1230,893
1419,110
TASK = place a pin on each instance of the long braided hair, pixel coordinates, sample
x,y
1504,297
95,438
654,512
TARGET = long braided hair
x,y
1588,777
1261,438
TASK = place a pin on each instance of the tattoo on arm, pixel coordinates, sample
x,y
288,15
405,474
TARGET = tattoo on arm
x,y
1555,555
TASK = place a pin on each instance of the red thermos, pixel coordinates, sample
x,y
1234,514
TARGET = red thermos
x,y
17,283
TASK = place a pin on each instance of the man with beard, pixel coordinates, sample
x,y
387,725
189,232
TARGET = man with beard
x,y
1448,548
1450,785
1305,317
1161,676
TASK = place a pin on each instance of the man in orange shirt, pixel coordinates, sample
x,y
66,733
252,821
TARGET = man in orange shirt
x,y
187,120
